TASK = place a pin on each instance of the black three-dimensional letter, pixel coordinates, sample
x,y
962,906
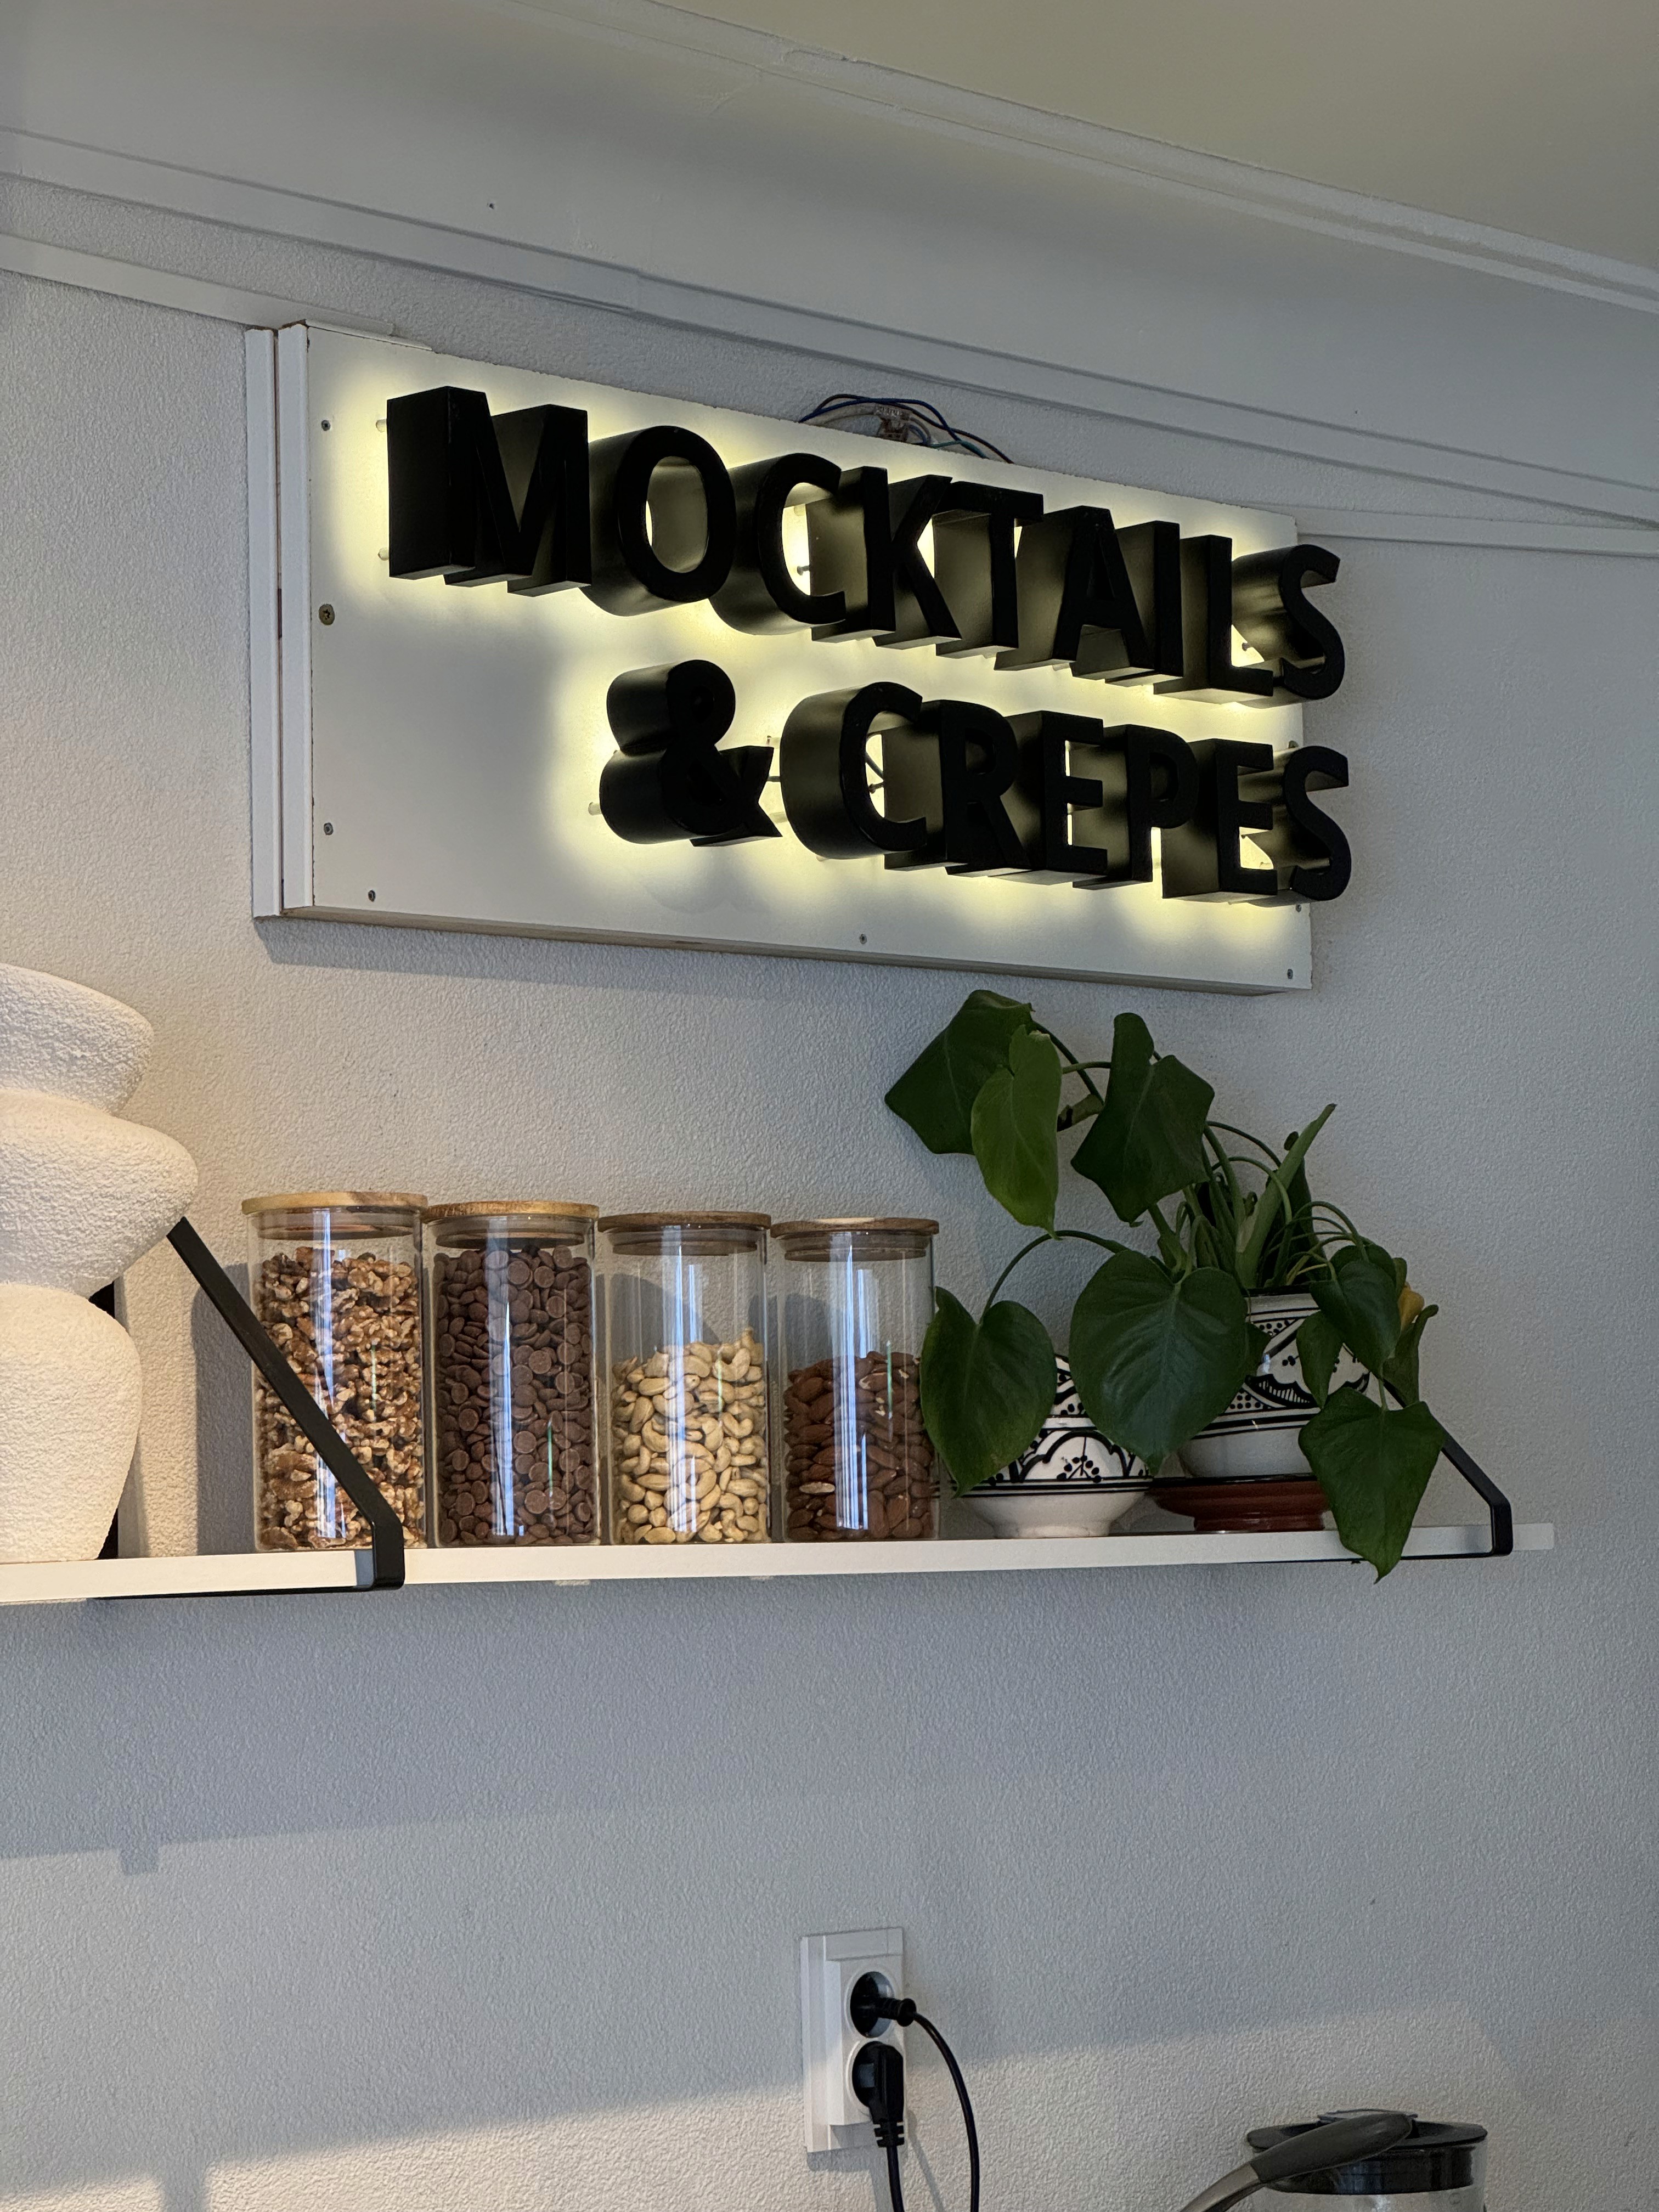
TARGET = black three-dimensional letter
x,y
480,499
668,779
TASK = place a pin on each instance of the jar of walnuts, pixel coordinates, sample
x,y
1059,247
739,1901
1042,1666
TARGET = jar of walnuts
x,y
335,1277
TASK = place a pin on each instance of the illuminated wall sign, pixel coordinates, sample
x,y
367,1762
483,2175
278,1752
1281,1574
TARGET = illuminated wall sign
x,y
572,661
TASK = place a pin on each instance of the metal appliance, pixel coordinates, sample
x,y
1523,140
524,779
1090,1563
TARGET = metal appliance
x,y
1439,2167
1359,2161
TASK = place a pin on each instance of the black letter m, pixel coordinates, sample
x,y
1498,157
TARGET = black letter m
x,y
477,499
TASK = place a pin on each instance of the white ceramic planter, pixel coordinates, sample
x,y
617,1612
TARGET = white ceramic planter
x,y
82,1195
1058,1486
1053,1512
1259,1435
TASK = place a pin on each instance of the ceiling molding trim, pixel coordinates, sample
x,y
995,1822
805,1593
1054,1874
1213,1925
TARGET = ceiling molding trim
x,y
838,339
165,288
1505,533
1007,124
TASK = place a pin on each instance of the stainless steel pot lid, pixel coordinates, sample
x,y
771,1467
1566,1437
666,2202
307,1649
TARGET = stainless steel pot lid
x,y
1438,2155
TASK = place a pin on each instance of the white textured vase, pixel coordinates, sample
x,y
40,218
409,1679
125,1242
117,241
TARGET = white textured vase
x,y
69,1397
82,1195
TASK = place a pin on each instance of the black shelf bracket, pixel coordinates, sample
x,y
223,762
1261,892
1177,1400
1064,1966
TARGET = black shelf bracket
x,y
381,1567
1499,1509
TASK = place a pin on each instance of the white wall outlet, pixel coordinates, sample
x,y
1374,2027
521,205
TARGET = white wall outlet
x,y
829,1965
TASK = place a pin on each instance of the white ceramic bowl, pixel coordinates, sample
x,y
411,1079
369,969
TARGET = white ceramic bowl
x,y
1260,1435
1051,1508
1057,1486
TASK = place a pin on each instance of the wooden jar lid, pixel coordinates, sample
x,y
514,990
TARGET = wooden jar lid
x,y
543,1209
865,1240
704,1235
892,1223
610,1221
316,1201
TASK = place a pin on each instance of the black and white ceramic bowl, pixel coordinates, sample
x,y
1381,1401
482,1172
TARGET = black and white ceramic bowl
x,y
1260,1435
1071,1481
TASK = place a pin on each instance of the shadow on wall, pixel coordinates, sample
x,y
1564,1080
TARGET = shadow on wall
x,y
1115,2098
224,1510
390,1869
512,957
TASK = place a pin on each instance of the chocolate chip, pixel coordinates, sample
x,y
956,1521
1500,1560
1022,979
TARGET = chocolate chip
x,y
530,1480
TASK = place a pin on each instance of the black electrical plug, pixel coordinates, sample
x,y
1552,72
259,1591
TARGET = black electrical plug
x,y
871,2004
878,2077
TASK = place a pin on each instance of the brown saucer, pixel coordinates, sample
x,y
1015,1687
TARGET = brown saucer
x,y
1244,1508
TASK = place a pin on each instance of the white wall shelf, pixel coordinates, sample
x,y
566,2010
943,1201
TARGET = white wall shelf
x,y
253,1573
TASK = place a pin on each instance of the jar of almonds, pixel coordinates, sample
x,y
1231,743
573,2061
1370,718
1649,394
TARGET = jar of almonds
x,y
335,1278
510,1319
685,1350
855,1299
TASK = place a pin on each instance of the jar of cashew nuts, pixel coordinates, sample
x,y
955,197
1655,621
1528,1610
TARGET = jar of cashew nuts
x,y
855,1298
685,1353
335,1277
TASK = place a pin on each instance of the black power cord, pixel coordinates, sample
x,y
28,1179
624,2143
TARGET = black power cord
x,y
880,2067
879,2082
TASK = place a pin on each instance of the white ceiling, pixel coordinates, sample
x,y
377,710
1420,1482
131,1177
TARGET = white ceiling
x,y
1535,116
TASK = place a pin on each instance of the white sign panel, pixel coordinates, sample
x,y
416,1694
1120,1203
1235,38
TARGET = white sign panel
x,y
442,751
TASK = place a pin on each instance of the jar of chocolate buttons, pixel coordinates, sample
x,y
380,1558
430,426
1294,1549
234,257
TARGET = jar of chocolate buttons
x,y
335,1277
855,1298
685,1352
510,1321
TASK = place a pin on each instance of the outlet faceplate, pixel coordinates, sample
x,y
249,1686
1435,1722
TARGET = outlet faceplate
x,y
829,1965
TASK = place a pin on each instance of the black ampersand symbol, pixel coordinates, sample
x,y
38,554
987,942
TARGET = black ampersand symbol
x,y
668,780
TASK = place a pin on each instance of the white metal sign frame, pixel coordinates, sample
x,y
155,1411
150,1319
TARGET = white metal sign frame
x,y
431,757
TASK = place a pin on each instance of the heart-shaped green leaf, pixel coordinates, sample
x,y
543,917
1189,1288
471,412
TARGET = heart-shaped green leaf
x,y
1013,1128
987,1386
1319,1346
1373,1464
1361,1298
1146,1141
1155,1359
936,1093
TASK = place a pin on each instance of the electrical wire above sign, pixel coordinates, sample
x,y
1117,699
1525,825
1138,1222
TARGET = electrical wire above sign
x,y
902,422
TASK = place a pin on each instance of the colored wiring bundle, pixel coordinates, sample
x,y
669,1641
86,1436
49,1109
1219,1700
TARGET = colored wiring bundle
x,y
906,422
878,2079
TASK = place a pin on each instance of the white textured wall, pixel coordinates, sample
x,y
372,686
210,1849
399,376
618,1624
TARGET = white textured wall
x,y
482,1902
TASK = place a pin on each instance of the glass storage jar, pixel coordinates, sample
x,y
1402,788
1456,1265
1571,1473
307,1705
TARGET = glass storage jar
x,y
685,1352
510,1327
855,1298
335,1277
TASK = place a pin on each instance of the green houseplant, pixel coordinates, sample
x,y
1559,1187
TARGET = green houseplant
x,y
1162,1340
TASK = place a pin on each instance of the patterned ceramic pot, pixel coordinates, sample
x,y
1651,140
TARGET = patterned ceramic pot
x,y
1070,1481
1259,1433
